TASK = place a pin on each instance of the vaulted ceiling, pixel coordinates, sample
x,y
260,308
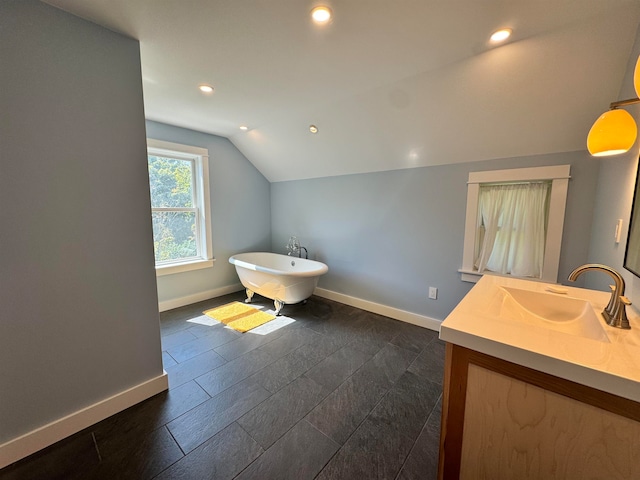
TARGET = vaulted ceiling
x,y
389,85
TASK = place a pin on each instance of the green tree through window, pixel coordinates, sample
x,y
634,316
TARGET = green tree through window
x,y
174,210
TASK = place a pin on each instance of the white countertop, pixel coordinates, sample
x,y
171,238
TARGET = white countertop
x,y
612,366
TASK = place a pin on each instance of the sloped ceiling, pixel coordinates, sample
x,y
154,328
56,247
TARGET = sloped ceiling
x,y
390,85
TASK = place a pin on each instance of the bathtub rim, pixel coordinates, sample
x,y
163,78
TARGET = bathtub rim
x,y
321,269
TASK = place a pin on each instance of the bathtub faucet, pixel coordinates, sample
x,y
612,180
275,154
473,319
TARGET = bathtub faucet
x,y
294,248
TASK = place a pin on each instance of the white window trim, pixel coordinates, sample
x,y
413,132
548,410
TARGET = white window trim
x,y
201,158
559,176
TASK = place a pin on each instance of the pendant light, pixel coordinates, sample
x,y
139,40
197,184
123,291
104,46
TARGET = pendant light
x,y
636,78
615,131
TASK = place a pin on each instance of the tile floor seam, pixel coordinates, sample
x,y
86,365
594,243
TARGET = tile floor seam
x,y
291,351
177,362
294,424
184,454
180,416
303,373
211,349
249,433
95,444
255,459
361,422
316,363
229,386
247,413
372,410
330,439
248,351
173,463
178,332
434,339
212,333
205,440
171,387
387,390
426,422
389,344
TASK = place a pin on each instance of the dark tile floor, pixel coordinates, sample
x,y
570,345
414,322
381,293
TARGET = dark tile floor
x,y
334,393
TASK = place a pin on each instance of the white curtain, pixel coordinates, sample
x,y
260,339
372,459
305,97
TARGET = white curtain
x,y
511,226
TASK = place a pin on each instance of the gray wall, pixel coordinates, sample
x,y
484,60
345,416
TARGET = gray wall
x,y
79,307
240,211
613,201
388,236
614,198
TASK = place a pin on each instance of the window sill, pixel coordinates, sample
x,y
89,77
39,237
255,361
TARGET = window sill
x,y
473,276
470,275
183,267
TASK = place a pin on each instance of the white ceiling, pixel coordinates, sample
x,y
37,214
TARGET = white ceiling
x,y
390,85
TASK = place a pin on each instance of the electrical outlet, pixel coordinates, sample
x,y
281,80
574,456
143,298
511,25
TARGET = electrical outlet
x,y
433,293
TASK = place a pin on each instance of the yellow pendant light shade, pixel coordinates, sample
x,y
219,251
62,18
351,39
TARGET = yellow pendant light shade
x,y
613,133
636,78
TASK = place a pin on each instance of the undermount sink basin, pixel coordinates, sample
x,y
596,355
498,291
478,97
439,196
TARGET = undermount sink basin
x,y
553,311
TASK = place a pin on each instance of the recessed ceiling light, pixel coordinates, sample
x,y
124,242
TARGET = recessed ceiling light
x,y
244,128
501,35
313,129
205,88
321,14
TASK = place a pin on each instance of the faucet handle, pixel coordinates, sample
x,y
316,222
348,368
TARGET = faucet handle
x,y
625,300
612,301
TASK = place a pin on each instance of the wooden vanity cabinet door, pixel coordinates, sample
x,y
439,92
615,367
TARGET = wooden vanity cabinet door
x,y
504,421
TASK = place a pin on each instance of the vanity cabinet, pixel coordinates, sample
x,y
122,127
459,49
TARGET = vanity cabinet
x,y
501,420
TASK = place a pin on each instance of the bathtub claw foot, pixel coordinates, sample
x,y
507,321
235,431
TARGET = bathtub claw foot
x,y
278,306
249,296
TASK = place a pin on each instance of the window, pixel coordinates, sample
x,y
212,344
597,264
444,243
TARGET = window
x,y
514,222
179,187
511,227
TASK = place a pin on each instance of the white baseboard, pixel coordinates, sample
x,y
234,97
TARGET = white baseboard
x,y
391,312
42,437
198,297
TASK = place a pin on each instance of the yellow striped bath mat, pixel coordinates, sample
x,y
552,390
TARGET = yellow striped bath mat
x,y
239,316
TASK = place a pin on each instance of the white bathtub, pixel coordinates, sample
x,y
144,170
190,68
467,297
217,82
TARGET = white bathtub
x,y
281,278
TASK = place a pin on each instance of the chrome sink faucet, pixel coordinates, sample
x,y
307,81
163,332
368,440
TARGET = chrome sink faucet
x,y
615,313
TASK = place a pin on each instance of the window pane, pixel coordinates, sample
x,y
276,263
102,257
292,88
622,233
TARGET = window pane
x,y
170,180
512,222
174,235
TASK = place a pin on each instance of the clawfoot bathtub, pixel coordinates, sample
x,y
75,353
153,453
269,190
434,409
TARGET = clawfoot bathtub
x,y
281,278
